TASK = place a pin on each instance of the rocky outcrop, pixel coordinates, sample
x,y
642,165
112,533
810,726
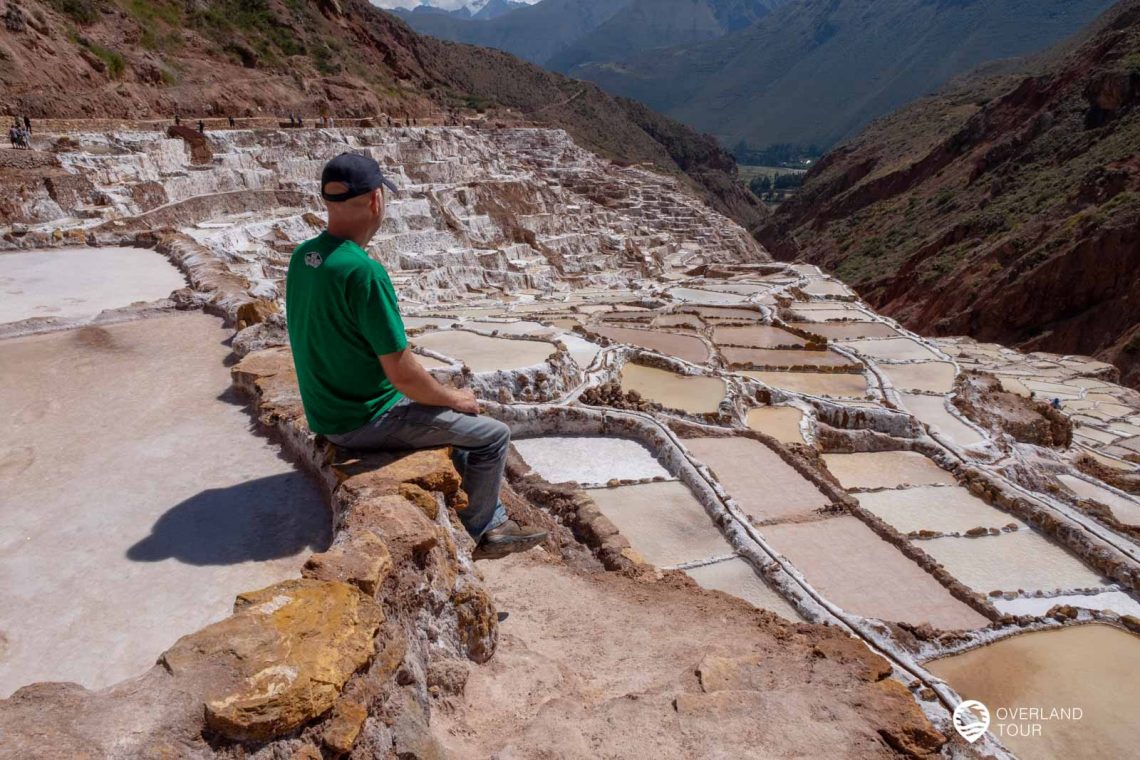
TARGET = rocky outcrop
x,y
980,396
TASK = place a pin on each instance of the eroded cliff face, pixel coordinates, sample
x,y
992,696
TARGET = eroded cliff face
x,y
1006,211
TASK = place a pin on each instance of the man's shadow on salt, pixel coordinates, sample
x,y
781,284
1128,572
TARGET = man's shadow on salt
x,y
268,518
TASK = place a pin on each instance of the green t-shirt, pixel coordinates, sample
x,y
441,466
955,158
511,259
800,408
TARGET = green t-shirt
x,y
342,315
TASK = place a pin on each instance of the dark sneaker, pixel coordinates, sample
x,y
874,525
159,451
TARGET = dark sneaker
x,y
508,538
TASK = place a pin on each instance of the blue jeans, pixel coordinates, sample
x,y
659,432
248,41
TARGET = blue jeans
x,y
479,451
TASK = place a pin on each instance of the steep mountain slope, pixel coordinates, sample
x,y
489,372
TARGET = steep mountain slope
x,y
125,59
1007,209
816,71
561,34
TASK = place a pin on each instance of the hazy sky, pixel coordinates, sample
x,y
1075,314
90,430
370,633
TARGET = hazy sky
x,y
448,4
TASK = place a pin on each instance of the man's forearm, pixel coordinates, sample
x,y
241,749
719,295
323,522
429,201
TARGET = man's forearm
x,y
410,378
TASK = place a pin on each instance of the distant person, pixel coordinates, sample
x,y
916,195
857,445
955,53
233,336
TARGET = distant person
x,y
27,124
201,127
292,120
300,122
14,136
177,120
1056,404
361,386
233,122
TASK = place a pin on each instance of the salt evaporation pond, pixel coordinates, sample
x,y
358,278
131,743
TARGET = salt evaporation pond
x,y
589,459
687,347
892,348
763,484
843,330
486,354
78,283
1091,667
944,509
885,469
692,394
932,377
775,358
148,483
736,577
1113,601
932,411
664,522
1011,561
835,385
854,568
780,422
756,336
1123,509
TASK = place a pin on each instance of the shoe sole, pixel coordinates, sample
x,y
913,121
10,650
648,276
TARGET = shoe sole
x,y
501,549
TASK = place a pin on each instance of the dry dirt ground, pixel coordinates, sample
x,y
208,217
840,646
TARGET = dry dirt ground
x,y
593,664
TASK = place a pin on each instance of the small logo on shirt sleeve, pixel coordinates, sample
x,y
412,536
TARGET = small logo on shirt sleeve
x,y
314,259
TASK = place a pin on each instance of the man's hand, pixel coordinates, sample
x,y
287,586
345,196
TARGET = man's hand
x,y
464,401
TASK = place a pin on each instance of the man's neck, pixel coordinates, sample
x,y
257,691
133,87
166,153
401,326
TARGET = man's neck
x,y
360,237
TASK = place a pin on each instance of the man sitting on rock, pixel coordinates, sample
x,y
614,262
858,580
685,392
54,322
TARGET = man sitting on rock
x,y
361,386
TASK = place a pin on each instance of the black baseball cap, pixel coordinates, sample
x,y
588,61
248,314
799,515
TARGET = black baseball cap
x,y
361,174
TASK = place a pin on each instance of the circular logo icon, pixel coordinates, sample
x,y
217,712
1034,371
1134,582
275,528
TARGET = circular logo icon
x,y
314,259
971,720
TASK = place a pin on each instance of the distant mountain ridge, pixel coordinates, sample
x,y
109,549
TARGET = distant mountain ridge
x,y
561,34
1006,208
817,71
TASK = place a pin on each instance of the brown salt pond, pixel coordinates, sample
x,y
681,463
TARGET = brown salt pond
x,y
1011,561
664,522
134,502
695,395
485,354
721,312
932,377
1090,667
756,336
780,422
885,469
763,484
736,577
78,283
844,330
687,347
775,358
833,384
945,509
855,569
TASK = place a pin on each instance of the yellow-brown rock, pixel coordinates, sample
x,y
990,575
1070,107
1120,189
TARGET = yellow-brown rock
x,y
255,312
282,658
362,561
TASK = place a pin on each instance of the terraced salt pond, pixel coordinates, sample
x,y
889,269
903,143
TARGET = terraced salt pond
x,y
736,577
483,353
885,469
686,347
756,336
78,283
1012,562
767,358
780,422
1091,667
944,509
695,395
1124,509
892,348
589,460
757,478
845,330
932,377
932,411
663,521
832,384
120,455
854,568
